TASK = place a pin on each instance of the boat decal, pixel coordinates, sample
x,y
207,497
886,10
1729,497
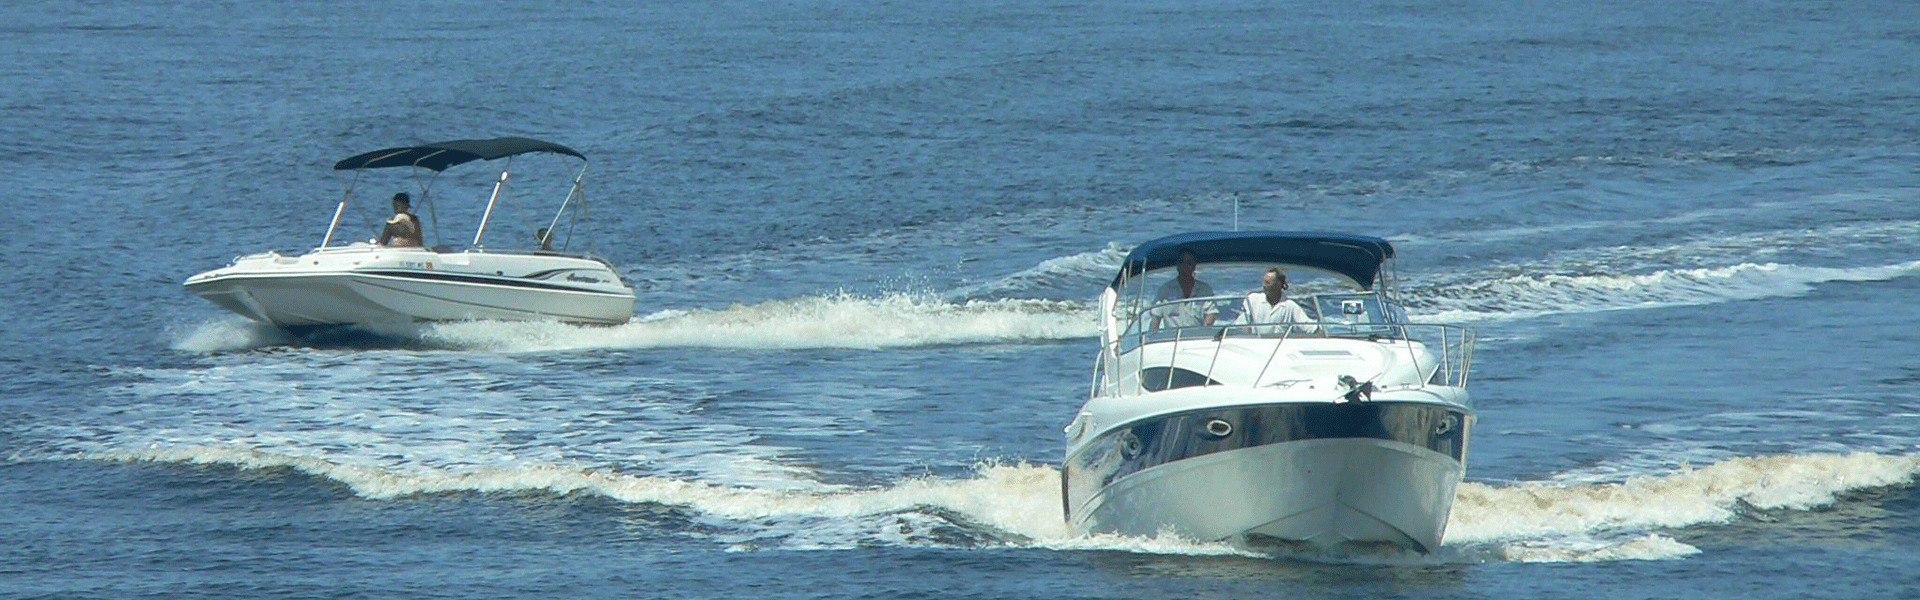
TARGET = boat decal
x,y
479,279
549,273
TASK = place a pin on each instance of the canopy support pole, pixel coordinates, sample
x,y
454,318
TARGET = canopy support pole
x,y
571,192
337,210
489,214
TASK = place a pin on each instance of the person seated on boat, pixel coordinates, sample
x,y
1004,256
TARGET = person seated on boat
x,y
403,229
543,239
1184,286
1271,305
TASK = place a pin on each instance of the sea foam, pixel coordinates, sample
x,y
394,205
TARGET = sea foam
x,y
906,320
1513,297
836,320
1018,505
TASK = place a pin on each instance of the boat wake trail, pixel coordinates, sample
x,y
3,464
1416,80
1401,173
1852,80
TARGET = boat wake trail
x,y
1018,506
829,321
1775,263
1002,310
1631,519
1520,296
1067,276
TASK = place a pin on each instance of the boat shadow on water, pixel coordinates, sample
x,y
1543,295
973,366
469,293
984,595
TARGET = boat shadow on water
x,y
244,336
1383,567
363,337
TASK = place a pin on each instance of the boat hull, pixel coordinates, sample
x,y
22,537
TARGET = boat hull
x,y
1327,474
399,287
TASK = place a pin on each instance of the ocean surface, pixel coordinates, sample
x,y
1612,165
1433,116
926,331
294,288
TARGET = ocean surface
x,y
866,239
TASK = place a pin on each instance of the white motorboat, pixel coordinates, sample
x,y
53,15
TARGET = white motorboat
x,y
365,283
1348,427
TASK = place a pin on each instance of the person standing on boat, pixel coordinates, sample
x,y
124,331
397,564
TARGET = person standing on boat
x,y
403,229
1184,286
1271,305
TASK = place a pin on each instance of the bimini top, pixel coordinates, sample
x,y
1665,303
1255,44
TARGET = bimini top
x,y
1358,257
440,155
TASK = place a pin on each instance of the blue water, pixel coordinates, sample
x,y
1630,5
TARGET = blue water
x,y
866,237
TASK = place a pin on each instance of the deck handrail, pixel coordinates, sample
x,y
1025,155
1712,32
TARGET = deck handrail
x,y
1451,342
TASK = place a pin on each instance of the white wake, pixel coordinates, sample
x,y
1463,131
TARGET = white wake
x,y
1019,505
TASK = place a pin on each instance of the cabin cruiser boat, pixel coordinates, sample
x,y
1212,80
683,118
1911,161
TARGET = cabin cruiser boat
x,y
1348,428
364,283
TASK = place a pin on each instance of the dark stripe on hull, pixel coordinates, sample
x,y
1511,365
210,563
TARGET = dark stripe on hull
x,y
1164,439
481,280
436,276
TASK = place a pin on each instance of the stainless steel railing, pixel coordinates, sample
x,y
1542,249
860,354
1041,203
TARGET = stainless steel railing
x,y
1451,345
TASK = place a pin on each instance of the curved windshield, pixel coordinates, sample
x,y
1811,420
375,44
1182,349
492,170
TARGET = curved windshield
x,y
1357,313
1220,294
1187,313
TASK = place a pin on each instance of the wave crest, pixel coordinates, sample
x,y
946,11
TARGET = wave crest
x,y
1531,295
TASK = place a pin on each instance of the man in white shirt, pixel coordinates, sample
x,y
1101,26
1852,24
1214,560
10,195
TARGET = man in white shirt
x,y
1271,305
1184,286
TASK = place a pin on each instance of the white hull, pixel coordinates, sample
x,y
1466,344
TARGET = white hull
x,y
364,285
1326,492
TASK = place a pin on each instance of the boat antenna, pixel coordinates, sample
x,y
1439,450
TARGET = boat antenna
x,y
1236,212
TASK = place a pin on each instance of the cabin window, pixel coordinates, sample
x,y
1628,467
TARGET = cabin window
x,y
1160,379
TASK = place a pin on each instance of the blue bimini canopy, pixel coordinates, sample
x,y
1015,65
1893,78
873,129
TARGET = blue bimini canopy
x,y
1357,257
440,155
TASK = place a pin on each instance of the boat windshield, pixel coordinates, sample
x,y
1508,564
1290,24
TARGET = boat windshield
x,y
1355,314
1334,306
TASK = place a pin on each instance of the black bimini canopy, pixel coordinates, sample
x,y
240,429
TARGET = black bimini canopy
x,y
440,155
1357,257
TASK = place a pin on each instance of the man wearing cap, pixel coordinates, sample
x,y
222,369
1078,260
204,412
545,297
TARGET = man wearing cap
x,y
403,229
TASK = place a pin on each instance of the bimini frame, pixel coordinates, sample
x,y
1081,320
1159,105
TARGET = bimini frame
x,y
437,157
